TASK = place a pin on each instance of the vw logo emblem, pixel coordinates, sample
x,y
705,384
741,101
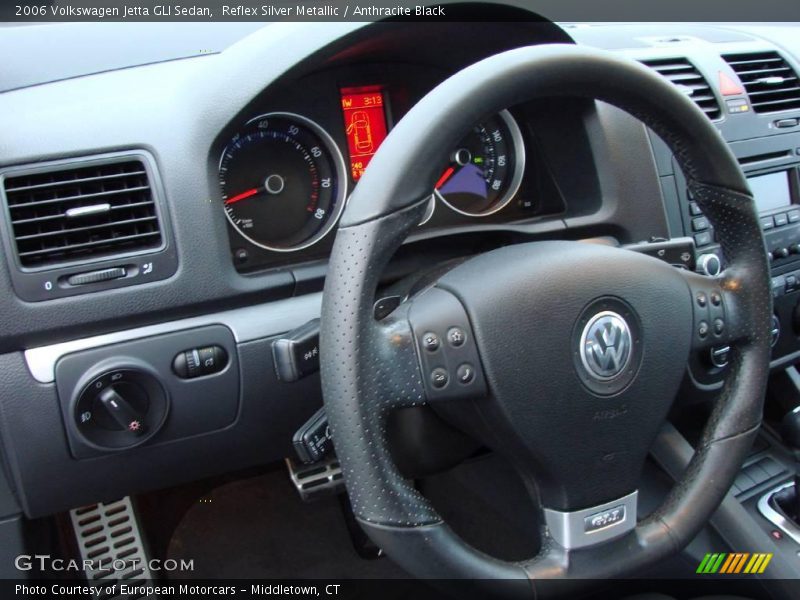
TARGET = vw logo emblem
x,y
606,345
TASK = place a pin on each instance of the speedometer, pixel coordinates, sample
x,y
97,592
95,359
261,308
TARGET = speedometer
x,y
283,182
485,170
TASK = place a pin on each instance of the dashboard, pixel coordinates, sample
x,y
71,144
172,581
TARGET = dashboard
x,y
157,213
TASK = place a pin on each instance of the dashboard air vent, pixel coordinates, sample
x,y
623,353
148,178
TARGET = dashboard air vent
x,y
81,212
770,82
689,80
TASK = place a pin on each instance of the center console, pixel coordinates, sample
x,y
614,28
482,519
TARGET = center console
x,y
760,122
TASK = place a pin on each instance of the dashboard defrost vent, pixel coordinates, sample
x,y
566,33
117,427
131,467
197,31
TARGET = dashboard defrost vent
x,y
689,80
768,79
82,211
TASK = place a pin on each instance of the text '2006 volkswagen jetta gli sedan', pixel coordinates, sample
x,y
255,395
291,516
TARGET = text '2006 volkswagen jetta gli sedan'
x,y
412,301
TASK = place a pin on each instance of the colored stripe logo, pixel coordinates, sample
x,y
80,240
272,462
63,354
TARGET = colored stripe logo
x,y
733,563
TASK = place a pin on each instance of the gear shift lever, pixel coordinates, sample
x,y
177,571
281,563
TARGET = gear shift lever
x,y
790,432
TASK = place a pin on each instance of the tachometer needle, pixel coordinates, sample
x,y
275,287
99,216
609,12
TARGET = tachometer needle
x,y
445,176
242,196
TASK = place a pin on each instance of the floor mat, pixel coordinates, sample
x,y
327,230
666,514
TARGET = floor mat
x,y
259,528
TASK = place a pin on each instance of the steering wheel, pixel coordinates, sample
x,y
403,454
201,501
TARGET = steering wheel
x,y
563,357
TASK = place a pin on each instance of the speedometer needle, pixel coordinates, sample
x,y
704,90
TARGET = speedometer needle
x,y
445,176
242,196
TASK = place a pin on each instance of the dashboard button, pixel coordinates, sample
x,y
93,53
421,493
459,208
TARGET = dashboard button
x,y
786,123
699,224
781,220
199,361
694,209
702,329
767,223
778,286
703,239
794,216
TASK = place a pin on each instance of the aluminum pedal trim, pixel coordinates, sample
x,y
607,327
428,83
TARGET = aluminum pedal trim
x,y
109,537
318,479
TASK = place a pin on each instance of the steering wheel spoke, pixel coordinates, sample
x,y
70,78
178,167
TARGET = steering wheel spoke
x,y
448,353
714,317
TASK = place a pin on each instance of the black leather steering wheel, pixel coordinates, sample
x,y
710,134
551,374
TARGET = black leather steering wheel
x,y
575,351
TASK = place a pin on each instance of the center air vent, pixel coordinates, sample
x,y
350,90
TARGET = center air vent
x,y
689,80
81,212
770,82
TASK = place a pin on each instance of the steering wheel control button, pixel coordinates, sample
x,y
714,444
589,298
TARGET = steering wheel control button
x,y
296,355
456,336
719,356
710,319
719,327
702,300
197,362
465,374
439,378
703,329
431,342
775,331
446,347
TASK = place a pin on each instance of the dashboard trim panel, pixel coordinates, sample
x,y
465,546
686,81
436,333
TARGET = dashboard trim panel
x,y
247,324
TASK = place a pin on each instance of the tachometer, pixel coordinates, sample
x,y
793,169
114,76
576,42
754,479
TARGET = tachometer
x,y
283,182
485,170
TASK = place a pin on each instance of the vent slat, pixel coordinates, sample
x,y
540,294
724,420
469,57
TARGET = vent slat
x,y
733,60
132,205
92,244
140,188
770,82
759,71
682,73
37,236
792,90
63,182
82,211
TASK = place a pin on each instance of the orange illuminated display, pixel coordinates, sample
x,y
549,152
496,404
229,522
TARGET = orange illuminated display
x,y
365,125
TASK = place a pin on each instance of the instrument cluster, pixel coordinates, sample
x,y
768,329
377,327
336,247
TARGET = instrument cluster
x,y
285,175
